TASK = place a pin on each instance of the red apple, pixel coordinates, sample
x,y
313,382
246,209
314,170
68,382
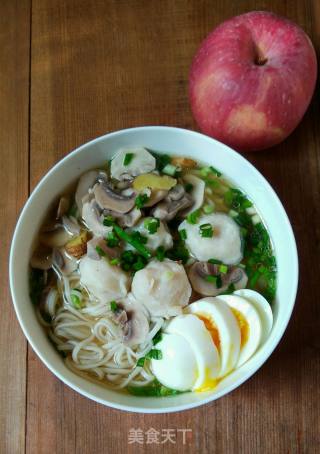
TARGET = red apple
x,y
252,80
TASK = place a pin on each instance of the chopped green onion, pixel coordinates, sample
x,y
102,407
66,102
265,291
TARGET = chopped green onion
x,y
112,240
188,187
139,264
233,213
161,159
154,353
208,209
128,256
141,200
160,253
140,362
205,171
219,281
113,306
152,225
215,171
211,279
215,262
134,242
75,301
157,338
183,234
254,278
108,221
231,288
206,230
100,251
212,183
170,169
136,235
216,280
128,158
193,217
178,252
223,269
114,262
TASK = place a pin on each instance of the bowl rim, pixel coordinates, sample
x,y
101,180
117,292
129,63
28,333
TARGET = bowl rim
x,y
294,272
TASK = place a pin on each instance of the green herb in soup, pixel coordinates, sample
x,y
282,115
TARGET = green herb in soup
x,y
143,264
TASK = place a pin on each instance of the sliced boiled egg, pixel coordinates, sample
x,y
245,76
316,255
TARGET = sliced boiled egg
x,y
249,322
178,367
263,308
222,325
194,331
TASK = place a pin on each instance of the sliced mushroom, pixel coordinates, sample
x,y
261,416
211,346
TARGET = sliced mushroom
x,y
57,237
176,193
92,218
125,183
136,327
41,258
63,206
99,242
107,199
62,262
71,225
156,195
86,181
126,220
197,192
176,200
200,270
141,161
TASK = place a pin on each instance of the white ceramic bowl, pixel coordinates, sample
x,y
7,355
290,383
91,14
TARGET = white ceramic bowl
x,y
178,142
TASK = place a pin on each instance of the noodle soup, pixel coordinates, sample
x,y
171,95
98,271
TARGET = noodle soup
x,y
153,274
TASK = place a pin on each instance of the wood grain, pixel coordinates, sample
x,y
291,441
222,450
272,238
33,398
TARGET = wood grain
x,y
102,65
14,121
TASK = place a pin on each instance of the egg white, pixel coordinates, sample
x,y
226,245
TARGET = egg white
x,y
178,367
192,329
253,327
222,318
263,308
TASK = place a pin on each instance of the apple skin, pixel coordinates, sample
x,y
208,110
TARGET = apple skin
x,y
252,80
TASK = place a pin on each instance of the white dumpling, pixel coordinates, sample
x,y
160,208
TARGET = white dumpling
x,y
224,245
163,288
104,281
160,238
141,162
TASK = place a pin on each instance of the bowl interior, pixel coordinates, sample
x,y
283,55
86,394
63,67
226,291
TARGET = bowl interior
x,y
178,142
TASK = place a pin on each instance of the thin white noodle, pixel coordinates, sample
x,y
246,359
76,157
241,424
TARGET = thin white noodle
x,y
93,340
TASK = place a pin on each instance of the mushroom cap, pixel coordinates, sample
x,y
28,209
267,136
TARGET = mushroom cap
x,y
197,192
86,181
199,270
107,199
92,219
136,325
163,288
141,162
102,280
224,245
176,200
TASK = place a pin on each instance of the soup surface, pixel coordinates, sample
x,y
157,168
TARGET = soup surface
x,y
154,274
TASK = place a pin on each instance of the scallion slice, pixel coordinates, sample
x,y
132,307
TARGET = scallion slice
x,y
170,169
128,158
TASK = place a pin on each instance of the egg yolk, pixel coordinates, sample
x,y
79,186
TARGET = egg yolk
x,y
208,383
212,328
243,325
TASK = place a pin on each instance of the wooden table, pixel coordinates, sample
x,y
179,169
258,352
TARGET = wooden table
x,y
72,70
